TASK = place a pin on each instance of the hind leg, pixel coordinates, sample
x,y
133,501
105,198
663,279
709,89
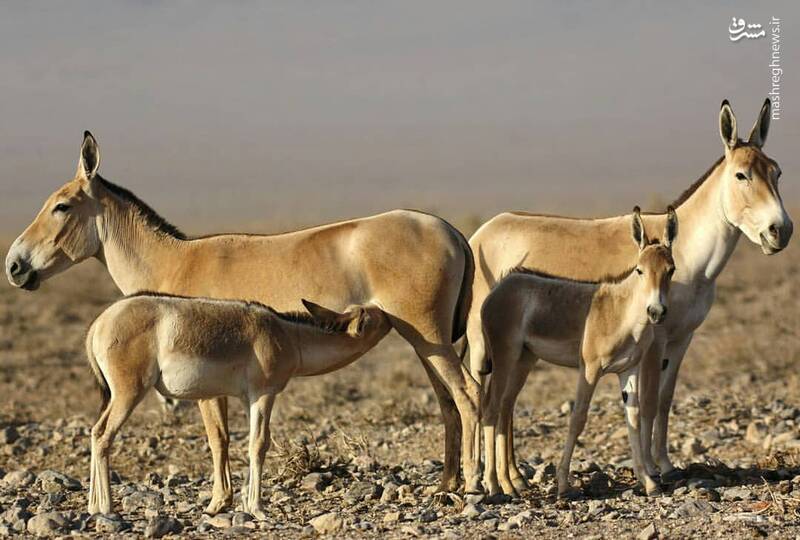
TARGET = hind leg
x,y
506,466
587,381
260,412
479,365
452,432
103,433
517,478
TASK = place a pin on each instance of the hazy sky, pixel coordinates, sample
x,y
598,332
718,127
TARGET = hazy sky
x,y
274,112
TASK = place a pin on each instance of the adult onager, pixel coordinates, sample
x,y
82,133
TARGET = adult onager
x,y
738,194
417,267
606,325
198,348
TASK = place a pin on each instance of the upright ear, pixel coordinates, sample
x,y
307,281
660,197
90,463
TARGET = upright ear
x,y
88,162
727,126
671,228
637,229
320,313
758,135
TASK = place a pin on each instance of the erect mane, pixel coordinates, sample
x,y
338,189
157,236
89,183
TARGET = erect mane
x,y
603,279
297,317
150,216
683,197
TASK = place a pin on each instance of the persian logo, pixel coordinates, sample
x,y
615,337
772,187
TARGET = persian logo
x,y
738,29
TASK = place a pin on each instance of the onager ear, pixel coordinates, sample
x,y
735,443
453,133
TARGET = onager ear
x,y
758,135
637,229
89,160
671,228
727,126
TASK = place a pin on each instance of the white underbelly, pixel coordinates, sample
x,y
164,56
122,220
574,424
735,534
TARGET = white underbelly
x,y
562,353
185,377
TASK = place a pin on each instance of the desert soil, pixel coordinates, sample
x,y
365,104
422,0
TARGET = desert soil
x,y
355,453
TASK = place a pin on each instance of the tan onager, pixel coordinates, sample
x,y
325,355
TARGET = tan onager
x,y
738,194
417,267
606,325
198,348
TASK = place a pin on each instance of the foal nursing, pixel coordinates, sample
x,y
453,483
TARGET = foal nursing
x,y
606,326
197,348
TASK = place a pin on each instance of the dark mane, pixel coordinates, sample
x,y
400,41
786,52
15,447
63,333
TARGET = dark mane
x,y
683,197
538,273
150,216
297,317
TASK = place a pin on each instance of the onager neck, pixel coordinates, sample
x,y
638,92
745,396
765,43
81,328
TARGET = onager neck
x,y
625,310
322,352
137,256
707,238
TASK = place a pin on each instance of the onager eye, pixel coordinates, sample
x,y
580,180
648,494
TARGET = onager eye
x,y
639,271
741,176
61,207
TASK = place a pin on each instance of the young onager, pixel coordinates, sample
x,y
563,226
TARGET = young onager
x,y
197,348
606,325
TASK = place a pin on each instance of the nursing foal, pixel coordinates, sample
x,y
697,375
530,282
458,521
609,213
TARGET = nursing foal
x,y
607,325
198,348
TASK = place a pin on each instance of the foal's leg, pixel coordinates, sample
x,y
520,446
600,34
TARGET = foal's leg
x,y
517,478
587,381
215,420
492,399
260,411
649,374
103,433
671,363
505,450
629,386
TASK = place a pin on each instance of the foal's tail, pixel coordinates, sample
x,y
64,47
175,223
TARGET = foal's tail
x,y
105,391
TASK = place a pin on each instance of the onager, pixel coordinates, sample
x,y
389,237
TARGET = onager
x,y
738,194
606,325
417,267
198,348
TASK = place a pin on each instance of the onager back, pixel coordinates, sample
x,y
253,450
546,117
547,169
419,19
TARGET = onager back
x,y
607,325
198,348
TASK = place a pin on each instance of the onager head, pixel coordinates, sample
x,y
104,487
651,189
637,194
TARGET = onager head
x,y
654,267
65,230
750,197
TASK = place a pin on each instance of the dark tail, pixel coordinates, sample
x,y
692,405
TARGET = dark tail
x,y
105,391
465,295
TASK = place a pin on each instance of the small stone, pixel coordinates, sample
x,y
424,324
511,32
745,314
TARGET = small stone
x,y
389,492
220,521
471,511
147,500
327,523
648,533
692,447
243,519
48,524
757,432
392,517
161,526
565,408
8,435
110,523
739,493
522,518
693,508
544,471
428,516
55,482
19,479
313,482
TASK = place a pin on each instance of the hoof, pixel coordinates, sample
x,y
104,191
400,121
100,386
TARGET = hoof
x,y
653,490
216,506
500,498
259,514
570,493
672,476
520,484
474,487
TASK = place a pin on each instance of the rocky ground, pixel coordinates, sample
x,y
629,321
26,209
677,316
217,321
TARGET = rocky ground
x,y
356,453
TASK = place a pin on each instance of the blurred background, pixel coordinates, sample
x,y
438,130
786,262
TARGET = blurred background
x,y
263,116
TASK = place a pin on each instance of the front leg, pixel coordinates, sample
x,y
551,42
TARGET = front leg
x,y
587,381
649,375
215,420
629,387
671,364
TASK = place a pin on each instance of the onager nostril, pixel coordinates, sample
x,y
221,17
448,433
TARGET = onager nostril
x,y
773,231
14,268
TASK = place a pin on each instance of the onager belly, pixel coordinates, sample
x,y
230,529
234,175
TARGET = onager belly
x,y
560,352
185,377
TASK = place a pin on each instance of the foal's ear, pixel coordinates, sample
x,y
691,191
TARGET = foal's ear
x,y
758,135
637,228
727,126
320,313
671,228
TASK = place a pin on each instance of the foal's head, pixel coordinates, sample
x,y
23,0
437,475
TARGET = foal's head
x,y
655,266
365,321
